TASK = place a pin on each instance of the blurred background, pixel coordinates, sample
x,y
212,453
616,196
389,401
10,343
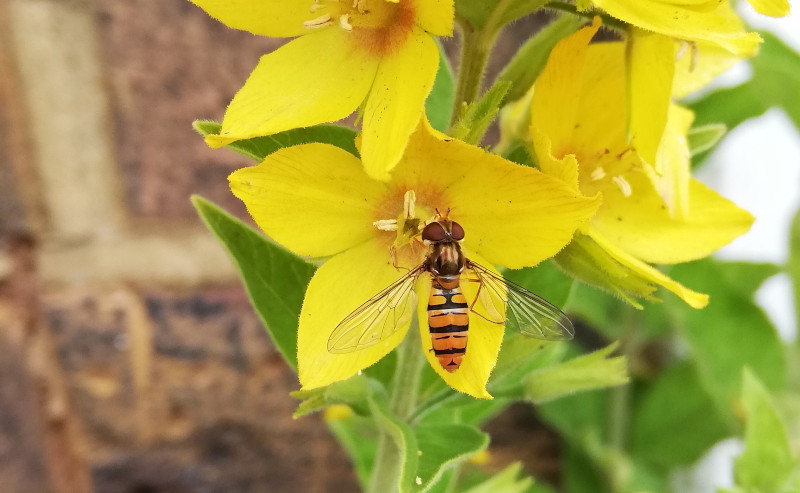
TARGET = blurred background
x,y
130,359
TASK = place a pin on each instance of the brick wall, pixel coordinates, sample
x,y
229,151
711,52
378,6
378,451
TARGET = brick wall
x,y
130,358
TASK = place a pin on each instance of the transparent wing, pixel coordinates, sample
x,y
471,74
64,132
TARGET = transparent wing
x,y
378,317
524,311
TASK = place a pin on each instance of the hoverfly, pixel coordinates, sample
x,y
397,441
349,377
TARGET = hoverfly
x,y
448,309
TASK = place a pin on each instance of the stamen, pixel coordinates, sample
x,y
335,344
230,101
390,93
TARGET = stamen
x,y
316,6
321,21
359,5
410,204
598,173
386,224
623,185
344,22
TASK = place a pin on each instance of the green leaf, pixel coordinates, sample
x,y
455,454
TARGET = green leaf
x,y
530,59
588,372
274,278
705,137
258,148
404,441
509,480
546,280
477,117
442,446
732,331
352,392
660,432
578,417
766,463
776,74
519,356
793,262
439,104
357,434
520,154
729,106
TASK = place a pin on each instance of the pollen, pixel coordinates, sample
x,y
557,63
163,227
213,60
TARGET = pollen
x,y
598,173
321,21
344,22
623,185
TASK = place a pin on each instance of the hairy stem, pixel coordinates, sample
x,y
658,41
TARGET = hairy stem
x,y
403,396
475,49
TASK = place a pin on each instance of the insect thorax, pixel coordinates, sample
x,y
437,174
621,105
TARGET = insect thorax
x,y
446,259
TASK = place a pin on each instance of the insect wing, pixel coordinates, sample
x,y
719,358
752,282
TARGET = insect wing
x,y
377,318
525,311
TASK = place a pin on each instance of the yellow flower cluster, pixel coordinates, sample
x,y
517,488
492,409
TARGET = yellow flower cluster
x,y
611,194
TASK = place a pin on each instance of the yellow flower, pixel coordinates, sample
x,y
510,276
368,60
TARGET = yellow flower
x,y
580,133
700,21
316,200
377,55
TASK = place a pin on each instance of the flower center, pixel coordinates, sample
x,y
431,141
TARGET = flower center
x,y
607,169
377,26
407,250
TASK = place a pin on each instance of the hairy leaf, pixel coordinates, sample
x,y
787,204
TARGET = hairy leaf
x,y
275,279
439,104
258,148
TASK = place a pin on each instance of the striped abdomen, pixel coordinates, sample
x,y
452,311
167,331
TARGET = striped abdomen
x,y
448,321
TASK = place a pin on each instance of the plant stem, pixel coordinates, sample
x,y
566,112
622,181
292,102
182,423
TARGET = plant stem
x,y
403,395
619,406
475,49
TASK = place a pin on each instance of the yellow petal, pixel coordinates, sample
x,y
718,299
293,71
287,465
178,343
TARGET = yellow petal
x,y
435,16
565,169
483,343
396,101
651,70
673,161
513,215
314,199
773,8
697,64
277,18
647,272
553,114
313,79
711,21
642,226
341,285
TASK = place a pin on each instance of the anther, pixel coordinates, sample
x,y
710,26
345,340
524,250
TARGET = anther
x,y
344,22
623,185
386,224
359,5
598,173
321,21
410,204
316,6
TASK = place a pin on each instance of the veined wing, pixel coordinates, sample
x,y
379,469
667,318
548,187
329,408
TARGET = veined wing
x,y
377,318
524,311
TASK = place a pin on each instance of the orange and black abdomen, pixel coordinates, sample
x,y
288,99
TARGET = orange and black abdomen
x,y
448,321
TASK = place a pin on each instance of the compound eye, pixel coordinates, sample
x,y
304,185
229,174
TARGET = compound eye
x,y
433,232
456,231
